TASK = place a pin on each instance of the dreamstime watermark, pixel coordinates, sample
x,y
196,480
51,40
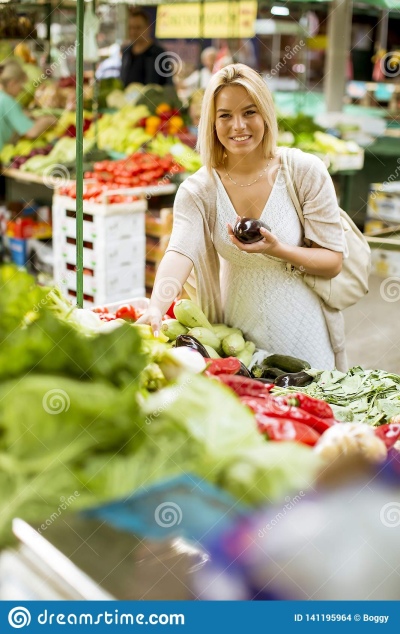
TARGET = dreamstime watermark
x,y
56,175
167,289
19,617
390,289
168,514
289,54
390,64
165,180
64,53
390,515
290,504
167,64
173,393
65,503
56,402
390,179
68,276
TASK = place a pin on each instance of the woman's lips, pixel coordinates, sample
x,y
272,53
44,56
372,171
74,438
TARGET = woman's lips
x,y
241,138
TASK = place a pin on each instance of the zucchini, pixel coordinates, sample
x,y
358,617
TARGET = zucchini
x,y
286,363
190,315
206,337
233,344
223,331
247,354
213,354
172,328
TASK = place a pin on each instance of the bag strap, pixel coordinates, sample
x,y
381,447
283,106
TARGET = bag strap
x,y
290,184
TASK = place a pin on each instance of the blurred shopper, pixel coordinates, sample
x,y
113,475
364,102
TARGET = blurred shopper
x,y
144,61
13,121
110,68
246,54
199,78
246,285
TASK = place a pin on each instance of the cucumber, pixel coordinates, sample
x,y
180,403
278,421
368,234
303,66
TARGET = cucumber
x,y
286,363
172,328
233,344
190,315
247,354
206,337
223,331
213,354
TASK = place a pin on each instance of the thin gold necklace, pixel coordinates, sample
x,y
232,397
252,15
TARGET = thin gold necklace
x,y
248,184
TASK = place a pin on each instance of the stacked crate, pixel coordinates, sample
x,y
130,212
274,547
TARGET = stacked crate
x,y
114,247
158,231
382,226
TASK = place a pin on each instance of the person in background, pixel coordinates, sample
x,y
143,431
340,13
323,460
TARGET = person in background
x,y
111,67
144,61
13,121
199,78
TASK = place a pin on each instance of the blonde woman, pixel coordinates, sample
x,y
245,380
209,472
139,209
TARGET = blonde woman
x,y
13,121
256,287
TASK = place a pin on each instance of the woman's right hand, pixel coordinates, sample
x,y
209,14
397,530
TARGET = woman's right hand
x,y
153,317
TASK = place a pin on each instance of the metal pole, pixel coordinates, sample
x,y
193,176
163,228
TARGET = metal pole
x,y
383,30
339,36
79,152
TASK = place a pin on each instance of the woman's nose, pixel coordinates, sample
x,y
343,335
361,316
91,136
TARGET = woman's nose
x,y
238,123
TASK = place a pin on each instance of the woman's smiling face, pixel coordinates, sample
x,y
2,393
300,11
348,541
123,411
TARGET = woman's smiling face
x,y
239,126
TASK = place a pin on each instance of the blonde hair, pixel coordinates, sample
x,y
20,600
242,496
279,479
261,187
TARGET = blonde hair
x,y
208,144
12,71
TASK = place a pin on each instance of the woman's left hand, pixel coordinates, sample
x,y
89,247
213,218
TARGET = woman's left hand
x,y
269,245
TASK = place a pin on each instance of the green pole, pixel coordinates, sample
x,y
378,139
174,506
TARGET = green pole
x,y
79,152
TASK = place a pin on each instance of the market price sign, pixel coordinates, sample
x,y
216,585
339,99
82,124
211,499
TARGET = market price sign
x,y
221,19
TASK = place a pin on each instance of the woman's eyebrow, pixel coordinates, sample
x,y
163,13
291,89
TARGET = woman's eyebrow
x,y
252,105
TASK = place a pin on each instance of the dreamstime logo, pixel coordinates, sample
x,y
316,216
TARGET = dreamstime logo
x,y
56,176
390,289
56,401
390,65
168,64
19,617
167,289
390,514
289,53
64,53
168,514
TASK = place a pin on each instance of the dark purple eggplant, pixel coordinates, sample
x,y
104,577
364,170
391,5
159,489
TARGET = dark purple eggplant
x,y
244,371
191,342
247,230
294,379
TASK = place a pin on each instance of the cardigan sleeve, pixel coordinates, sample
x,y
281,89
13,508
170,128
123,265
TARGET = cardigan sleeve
x,y
321,212
188,225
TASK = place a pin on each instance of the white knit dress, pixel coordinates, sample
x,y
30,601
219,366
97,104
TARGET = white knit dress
x,y
272,306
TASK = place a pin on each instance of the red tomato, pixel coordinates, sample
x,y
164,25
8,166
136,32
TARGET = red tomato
x,y
126,312
389,433
100,309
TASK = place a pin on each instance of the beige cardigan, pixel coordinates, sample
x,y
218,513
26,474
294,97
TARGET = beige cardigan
x,y
194,220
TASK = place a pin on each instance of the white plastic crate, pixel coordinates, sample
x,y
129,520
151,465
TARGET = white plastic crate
x,y
104,209
115,227
141,303
101,255
108,282
91,301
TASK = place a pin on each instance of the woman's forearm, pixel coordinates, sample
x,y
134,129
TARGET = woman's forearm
x,y
315,260
172,273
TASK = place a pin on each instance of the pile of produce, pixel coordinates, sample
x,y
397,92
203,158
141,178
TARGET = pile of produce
x,y
139,170
188,158
75,416
63,153
18,161
120,131
22,149
15,26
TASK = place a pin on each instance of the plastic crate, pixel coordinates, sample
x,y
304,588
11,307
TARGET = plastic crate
x,y
116,282
99,254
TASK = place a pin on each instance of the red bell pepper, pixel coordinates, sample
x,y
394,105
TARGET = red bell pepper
x,y
287,430
277,408
244,386
170,311
389,433
230,365
311,405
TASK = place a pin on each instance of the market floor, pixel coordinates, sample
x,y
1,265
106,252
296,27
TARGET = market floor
x,y
373,327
